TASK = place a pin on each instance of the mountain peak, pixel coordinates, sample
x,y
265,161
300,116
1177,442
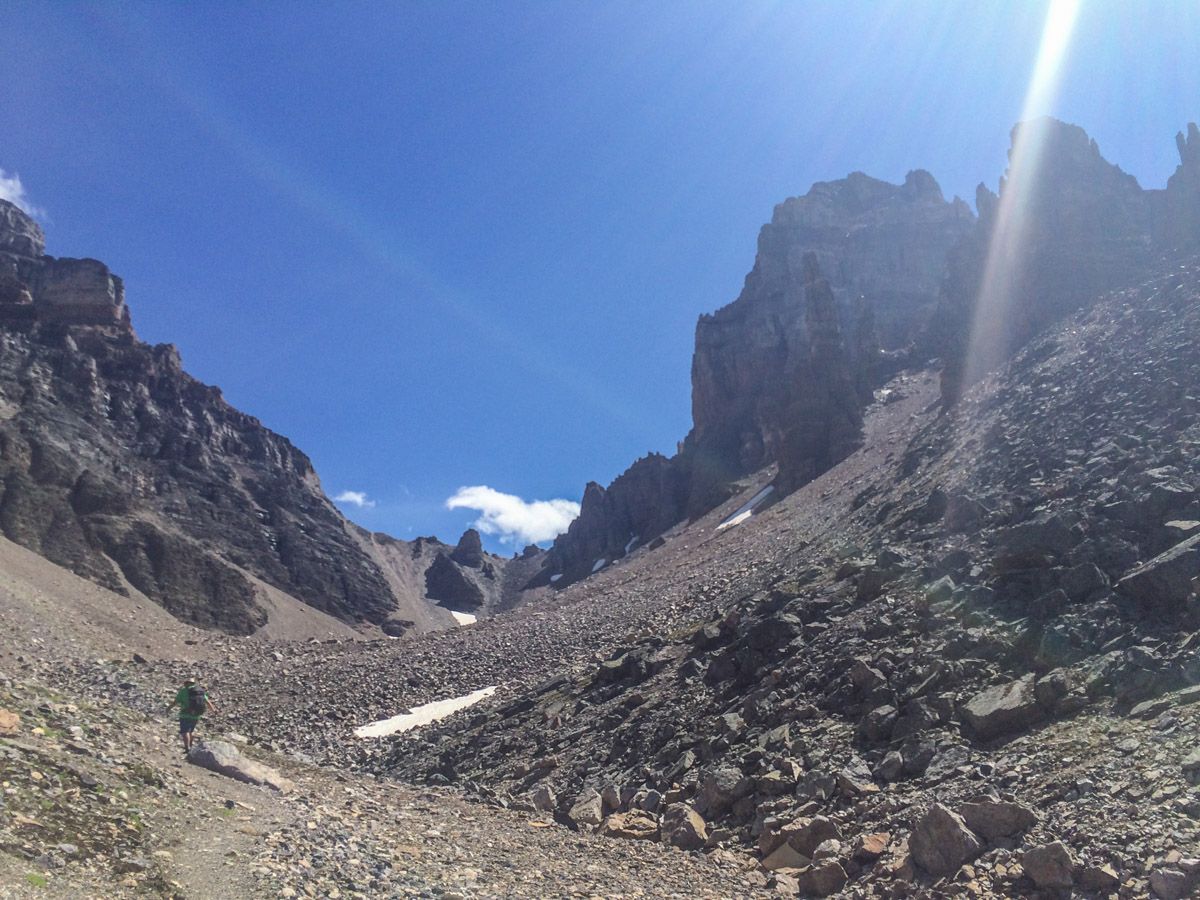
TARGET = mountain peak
x,y
20,235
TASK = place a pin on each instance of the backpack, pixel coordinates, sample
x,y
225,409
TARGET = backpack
x,y
197,701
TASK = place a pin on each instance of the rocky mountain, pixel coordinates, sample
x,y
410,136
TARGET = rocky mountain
x,y
780,377
1081,227
118,465
970,643
962,660
881,249
844,280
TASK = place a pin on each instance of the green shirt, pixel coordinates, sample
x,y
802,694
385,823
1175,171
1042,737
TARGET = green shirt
x,y
182,699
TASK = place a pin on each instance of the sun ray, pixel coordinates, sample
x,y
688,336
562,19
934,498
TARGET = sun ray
x,y
988,342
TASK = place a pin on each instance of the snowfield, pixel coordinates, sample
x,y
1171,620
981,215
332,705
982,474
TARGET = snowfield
x,y
422,715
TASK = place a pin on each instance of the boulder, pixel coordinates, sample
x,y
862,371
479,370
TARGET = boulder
x,y
588,808
785,856
1049,865
10,722
683,827
635,825
1099,878
865,677
1191,766
1169,883
805,835
1083,580
1031,544
992,819
1003,709
869,847
942,842
543,798
877,725
719,789
225,759
1165,582
822,879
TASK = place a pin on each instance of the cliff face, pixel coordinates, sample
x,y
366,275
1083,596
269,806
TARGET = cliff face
x,y
881,248
1082,227
35,288
642,503
118,465
844,277
850,275
1176,210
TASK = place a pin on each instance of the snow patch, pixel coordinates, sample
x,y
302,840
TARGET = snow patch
x,y
600,564
464,618
633,540
747,509
422,715
554,578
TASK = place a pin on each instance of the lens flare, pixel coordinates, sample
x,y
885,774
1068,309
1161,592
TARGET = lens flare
x,y
990,330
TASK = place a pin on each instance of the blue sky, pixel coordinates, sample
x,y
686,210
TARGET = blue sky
x,y
465,244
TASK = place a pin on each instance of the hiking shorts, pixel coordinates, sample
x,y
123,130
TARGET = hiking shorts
x,y
187,726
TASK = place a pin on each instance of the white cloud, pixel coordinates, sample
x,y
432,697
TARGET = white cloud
x,y
13,191
513,519
355,498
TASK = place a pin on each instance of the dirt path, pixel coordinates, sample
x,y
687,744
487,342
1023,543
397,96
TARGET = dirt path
x,y
99,802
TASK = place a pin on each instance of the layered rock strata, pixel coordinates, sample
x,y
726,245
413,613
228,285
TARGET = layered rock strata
x,y
118,465
35,288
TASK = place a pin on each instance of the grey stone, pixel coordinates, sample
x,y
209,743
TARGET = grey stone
x,y
1049,865
225,759
1004,709
941,842
683,827
588,808
992,819
1165,582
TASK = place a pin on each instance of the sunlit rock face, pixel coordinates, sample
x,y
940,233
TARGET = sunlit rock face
x,y
118,465
19,234
39,288
880,248
647,499
843,275
871,239
1079,228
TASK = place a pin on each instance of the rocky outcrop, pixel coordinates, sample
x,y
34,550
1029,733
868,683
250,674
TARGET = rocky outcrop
x,y
881,249
1177,209
469,550
461,578
20,235
118,465
843,280
35,288
225,759
1062,232
642,503
447,584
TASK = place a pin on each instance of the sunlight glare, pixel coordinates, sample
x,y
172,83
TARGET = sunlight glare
x,y
989,338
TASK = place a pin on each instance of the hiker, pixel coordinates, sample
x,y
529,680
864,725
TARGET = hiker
x,y
193,702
